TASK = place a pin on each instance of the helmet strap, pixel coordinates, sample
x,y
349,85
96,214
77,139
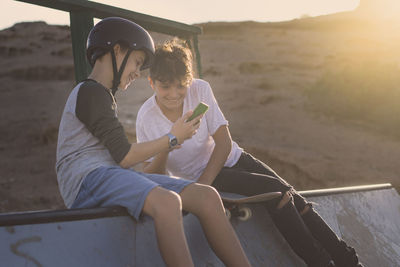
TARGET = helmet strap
x,y
117,74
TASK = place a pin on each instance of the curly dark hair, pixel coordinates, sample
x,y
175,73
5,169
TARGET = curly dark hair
x,y
172,61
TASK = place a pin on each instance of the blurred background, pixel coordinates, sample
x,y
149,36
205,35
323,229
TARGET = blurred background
x,y
311,89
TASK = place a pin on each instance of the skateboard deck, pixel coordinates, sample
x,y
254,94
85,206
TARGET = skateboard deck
x,y
235,205
251,199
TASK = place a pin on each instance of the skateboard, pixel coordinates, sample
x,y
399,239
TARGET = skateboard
x,y
235,205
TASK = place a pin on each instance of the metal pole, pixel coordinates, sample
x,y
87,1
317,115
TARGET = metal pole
x,y
197,52
81,23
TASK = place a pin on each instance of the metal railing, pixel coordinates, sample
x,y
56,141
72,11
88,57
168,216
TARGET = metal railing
x,y
82,13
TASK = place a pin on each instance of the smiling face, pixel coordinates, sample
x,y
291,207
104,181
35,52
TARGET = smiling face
x,y
132,67
169,95
171,74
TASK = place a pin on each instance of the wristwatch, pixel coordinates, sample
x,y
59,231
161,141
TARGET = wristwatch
x,y
173,141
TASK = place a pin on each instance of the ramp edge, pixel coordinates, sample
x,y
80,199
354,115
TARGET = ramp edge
x,y
50,216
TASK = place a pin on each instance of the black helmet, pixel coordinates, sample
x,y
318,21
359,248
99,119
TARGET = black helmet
x,y
113,30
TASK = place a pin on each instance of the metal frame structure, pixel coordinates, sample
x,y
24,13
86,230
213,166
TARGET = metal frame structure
x,y
82,13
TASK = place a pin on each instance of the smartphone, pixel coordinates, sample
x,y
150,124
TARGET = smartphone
x,y
200,109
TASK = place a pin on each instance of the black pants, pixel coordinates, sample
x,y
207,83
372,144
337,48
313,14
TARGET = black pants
x,y
250,176
308,235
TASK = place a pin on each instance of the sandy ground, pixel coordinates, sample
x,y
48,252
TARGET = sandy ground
x,y
258,73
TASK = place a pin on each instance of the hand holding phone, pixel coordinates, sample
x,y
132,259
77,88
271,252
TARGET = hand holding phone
x,y
183,130
200,109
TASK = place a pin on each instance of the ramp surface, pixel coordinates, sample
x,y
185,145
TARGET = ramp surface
x,y
367,220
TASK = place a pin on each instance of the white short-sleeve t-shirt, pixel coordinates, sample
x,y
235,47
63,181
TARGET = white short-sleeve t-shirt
x,y
191,159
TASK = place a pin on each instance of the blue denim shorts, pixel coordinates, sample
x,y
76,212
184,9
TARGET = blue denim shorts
x,y
115,186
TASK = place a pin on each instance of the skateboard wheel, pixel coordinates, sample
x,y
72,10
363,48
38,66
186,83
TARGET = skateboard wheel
x,y
228,214
245,213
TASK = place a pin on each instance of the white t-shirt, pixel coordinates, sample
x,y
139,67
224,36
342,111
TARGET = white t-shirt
x,y
191,159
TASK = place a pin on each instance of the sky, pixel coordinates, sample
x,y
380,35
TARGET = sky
x,y
187,11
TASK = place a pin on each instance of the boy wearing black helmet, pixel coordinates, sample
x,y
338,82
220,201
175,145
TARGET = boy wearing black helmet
x,y
93,153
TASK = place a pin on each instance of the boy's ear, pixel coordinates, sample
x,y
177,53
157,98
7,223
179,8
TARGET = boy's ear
x,y
151,82
117,49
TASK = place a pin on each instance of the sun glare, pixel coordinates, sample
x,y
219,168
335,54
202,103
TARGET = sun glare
x,y
223,10
180,10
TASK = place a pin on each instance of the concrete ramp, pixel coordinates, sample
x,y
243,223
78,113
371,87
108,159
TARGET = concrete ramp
x,y
369,221
368,218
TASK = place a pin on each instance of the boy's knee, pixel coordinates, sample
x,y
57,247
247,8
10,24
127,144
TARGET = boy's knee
x,y
208,195
162,202
284,200
212,195
306,209
169,202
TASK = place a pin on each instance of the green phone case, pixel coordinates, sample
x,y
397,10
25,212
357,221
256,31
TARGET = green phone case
x,y
200,109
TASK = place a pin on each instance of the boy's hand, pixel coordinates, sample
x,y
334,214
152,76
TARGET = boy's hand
x,y
184,130
173,148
